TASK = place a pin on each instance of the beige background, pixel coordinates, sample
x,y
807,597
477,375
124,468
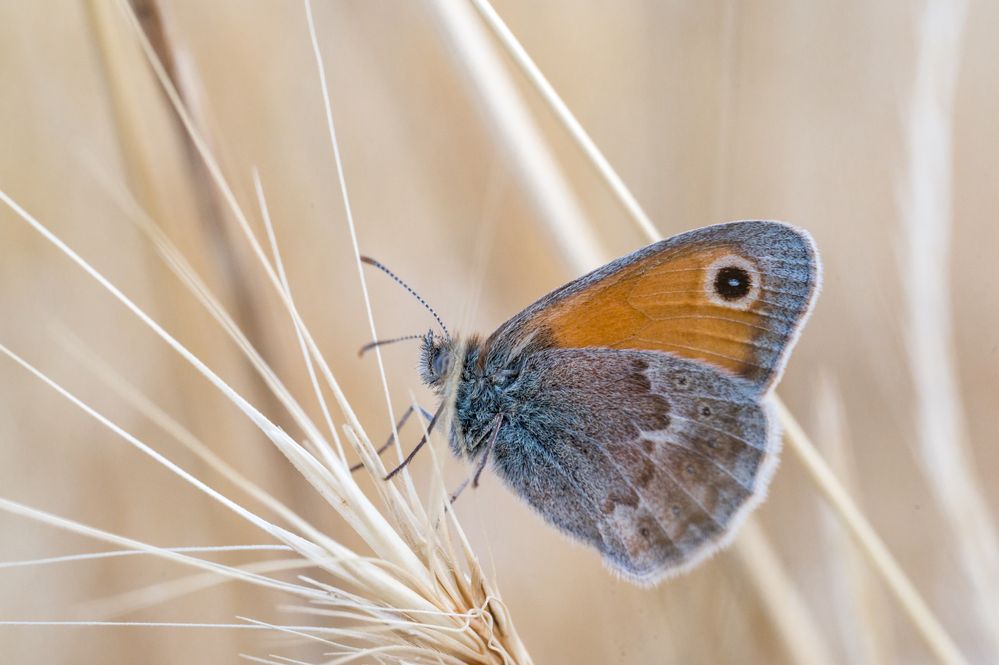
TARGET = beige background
x,y
710,111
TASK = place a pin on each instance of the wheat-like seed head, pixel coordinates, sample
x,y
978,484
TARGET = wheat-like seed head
x,y
421,595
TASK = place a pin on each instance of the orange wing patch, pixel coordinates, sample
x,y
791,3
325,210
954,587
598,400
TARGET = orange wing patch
x,y
702,303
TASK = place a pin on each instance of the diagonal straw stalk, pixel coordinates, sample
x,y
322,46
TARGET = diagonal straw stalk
x,y
798,631
537,169
915,607
864,624
454,614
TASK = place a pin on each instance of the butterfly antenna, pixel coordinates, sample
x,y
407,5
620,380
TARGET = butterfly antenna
x,y
371,262
380,342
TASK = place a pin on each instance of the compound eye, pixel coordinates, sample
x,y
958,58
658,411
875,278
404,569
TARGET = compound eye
x,y
732,281
440,363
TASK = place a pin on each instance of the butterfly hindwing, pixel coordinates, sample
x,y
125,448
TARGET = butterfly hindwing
x,y
732,295
649,457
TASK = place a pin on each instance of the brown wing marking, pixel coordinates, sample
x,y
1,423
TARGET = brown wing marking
x,y
661,308
732,295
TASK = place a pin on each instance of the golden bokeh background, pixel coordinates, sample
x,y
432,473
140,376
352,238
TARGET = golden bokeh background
x,y
710,111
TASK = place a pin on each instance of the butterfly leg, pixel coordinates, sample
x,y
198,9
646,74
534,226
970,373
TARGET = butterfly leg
x,y
402,421
474,478
459,489
423,441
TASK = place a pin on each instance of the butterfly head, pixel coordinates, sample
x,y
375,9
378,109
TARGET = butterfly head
x,y
436,359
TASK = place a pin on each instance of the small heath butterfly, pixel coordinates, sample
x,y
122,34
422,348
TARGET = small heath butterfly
x,y
629,407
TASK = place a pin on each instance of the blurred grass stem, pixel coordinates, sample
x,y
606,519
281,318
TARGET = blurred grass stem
x,y
927,216
917,610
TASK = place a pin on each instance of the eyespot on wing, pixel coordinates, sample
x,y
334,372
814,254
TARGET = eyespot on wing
x,y
733,295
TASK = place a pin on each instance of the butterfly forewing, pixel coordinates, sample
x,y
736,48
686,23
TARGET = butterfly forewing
x,y
732,295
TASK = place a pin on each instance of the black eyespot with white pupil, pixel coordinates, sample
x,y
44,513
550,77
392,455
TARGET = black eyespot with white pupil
x,y
733,283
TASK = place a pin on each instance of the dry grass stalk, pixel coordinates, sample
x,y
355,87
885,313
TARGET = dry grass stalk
x,y
799,632
434,589
942,445
422,597
793,620
928,625
864,626
506,111
531,155
927,211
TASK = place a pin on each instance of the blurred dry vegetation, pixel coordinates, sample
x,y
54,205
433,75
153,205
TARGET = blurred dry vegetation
x,y
710,111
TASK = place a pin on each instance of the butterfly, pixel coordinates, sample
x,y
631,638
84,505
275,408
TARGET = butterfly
x,y
630,408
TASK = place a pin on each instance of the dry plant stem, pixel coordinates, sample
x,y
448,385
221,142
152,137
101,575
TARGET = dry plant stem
x,y
727,93
219,569
178,264
480,63
319,556
382,534
307,465
128,110
566,117
165,174
930,628
927,214
461,618
348,211
864,624
186,438
160,594
166,624
445,574
798,630
371,526
882,560
229,197
309,365
508,114
349,500
113,554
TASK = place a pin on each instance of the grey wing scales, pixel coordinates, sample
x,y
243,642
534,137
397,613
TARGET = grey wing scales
x,y
651,458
